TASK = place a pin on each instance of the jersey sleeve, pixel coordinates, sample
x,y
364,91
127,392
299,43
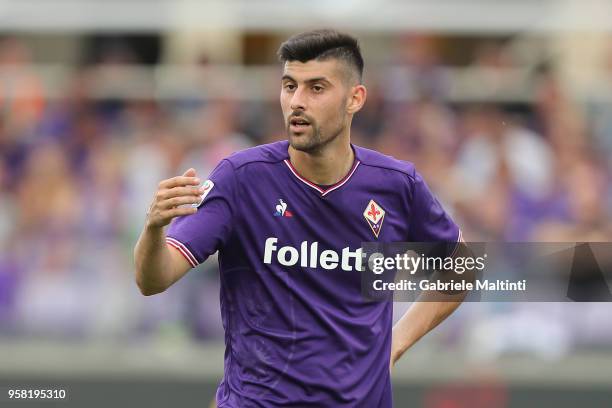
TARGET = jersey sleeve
x,y
199,235
429,221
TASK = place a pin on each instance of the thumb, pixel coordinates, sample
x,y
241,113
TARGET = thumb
x,y
190,172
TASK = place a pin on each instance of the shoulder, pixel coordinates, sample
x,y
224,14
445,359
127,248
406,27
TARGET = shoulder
x,y
266,153
374,159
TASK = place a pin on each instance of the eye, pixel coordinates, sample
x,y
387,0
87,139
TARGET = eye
x,y
317,88
289,86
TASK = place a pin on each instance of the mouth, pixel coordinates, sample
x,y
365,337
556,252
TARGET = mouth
x,y
298,124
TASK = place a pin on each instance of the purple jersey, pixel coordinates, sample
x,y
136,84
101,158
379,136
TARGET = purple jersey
x,y
298,332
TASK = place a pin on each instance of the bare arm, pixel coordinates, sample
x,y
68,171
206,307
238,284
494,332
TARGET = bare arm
x,y
424,315
419,320
159,265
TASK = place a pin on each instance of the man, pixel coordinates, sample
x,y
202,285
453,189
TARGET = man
x,y
288,219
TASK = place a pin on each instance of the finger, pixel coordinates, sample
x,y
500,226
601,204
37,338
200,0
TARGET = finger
x,y
180,191
176,201
179,181
177,212
190,172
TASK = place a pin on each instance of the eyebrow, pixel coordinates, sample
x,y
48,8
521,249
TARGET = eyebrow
x,y
308,81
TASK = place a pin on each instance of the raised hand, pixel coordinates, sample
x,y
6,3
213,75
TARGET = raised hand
x,y
171,194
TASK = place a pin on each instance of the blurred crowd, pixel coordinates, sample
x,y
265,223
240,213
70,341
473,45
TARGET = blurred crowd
x,y
77,175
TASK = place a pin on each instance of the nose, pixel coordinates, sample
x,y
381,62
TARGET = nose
x,y
298,100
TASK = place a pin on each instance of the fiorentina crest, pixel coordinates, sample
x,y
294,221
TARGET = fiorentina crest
x,y
374,215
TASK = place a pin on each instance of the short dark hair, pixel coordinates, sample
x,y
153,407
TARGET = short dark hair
x,y
322,45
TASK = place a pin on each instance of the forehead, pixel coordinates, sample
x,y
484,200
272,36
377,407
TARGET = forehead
x,y
302,71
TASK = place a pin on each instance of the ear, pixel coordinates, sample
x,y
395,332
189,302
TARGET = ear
x,y
356,99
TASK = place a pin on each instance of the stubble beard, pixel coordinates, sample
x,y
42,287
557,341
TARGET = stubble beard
x,y
316,141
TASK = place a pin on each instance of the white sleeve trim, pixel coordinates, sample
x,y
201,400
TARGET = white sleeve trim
x,y
183,250
459,237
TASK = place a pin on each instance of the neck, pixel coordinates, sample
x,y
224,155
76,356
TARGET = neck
x,y
327,166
